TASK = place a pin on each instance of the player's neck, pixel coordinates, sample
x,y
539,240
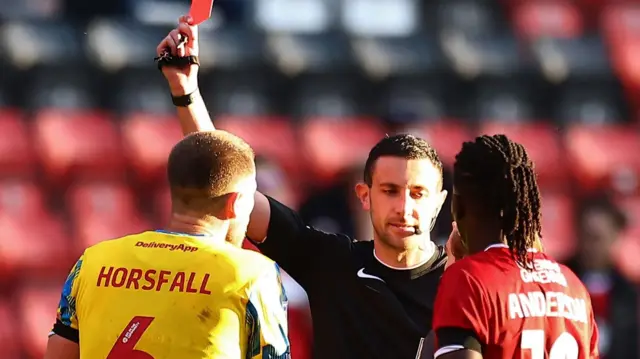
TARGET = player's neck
x,y
404,259
181,223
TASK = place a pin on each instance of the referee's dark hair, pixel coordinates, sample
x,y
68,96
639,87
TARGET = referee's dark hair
x,y
204,167
404,146
498,173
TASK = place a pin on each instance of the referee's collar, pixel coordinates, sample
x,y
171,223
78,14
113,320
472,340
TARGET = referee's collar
x,y
430,251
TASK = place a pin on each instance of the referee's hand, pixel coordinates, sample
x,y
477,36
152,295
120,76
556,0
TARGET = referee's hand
x,y
181,41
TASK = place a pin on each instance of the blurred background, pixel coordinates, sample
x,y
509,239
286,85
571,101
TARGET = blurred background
x,y
86,124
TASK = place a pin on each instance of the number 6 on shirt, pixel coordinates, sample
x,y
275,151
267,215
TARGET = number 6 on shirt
x,y
565,347
124,348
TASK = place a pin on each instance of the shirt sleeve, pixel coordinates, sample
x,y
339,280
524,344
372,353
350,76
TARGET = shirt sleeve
x,y
267,318
461,313
299,248
67,325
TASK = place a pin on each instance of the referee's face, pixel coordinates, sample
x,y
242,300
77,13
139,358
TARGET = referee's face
x,y
403,194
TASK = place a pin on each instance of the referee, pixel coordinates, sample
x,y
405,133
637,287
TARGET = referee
x,y
369,299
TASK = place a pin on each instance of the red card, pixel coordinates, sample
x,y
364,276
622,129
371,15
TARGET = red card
x,y
200,10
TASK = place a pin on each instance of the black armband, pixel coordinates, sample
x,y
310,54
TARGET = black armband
x,y
458,337
185,100
66,332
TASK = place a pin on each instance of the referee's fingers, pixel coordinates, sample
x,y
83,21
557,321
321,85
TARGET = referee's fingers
x,y
169,44
177,39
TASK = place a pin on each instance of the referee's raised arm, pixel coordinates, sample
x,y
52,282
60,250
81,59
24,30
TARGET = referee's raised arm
x,y
291,243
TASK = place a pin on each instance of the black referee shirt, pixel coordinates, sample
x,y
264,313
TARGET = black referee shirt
x,y
361,309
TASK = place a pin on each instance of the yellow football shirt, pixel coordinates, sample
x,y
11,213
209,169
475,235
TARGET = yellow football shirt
x,y
159,295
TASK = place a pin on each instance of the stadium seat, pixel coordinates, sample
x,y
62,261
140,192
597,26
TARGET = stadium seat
x,y
68,89
625,252
271,137
148,140
16,151
595,103
8,343
446,136
55,44
90,230
332,145
582,58
558,235
547,18
239,94
543,145
623,37
21,198
140,91
411,101
37,309
231,47
104,199
380,42
162,206
604,156
103,211
325,96
503,101
304,43
28,250
78,144
133,53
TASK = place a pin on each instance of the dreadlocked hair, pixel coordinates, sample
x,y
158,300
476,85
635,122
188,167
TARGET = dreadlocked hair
x,y
502,176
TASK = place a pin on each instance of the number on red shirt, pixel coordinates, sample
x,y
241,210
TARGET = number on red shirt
x,y
124,348
565,346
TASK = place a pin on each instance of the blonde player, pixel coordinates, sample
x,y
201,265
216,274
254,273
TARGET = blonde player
x,y
188,291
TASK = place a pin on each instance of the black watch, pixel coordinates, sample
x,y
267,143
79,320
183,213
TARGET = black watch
x,y
185,100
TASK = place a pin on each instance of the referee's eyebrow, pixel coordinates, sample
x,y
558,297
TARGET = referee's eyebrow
x,y
417,187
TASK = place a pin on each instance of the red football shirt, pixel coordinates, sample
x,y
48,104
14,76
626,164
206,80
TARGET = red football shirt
x,y
487,303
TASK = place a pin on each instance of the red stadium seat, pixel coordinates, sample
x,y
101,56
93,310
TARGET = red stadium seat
x,y
333,145
604,156
91,230
37,308
625,251
558,236
446,137
271,137
17,157
34,246
8,343
20,198
79,144
103,211
543,146
552,18
623,36
148,139
105,199
162,206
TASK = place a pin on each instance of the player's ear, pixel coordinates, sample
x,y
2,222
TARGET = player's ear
x,y
442,196
363,192
231,208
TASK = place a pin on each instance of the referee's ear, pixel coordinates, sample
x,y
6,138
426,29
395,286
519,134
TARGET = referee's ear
x,y
363,193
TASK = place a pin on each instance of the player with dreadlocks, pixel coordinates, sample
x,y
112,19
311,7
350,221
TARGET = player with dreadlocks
x,y
506,298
